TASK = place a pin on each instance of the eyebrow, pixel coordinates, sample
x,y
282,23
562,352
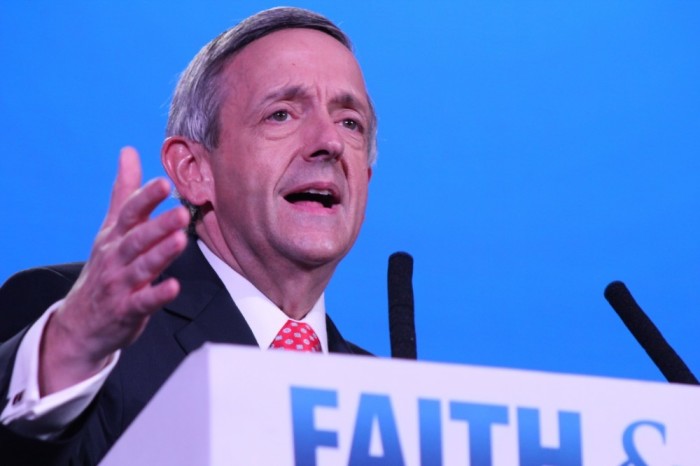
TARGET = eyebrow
x,y
347,100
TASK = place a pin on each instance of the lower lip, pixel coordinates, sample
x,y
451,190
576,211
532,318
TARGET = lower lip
x,y
314,207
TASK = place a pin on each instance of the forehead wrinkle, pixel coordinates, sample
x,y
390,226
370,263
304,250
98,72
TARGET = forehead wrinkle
x,y
290,92
293,92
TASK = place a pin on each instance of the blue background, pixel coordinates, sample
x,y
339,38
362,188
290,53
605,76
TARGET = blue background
x,y
530,153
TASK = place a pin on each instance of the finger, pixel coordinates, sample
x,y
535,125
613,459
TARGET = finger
x,y
142,237
149,299
147,266
141,204
127,181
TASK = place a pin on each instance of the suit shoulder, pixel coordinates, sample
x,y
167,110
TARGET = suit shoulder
x,y
67,271
37,282
27,294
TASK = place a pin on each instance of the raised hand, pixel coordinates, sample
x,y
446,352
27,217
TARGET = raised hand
x,y
112,300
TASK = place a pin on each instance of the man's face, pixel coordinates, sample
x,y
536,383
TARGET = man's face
x,y
290,174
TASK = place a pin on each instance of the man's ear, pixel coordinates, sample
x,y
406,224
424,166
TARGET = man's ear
x,y
187,165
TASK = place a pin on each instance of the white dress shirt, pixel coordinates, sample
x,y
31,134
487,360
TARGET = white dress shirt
x,y
263,317
46,417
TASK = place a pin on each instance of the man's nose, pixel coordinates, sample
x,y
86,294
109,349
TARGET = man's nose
x,y
324,139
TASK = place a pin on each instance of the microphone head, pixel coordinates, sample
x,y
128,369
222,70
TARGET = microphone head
x,y
401,265
401,259
615,291
621,300
400,283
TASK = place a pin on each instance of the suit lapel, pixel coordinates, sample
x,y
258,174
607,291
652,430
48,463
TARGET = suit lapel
x,y
212,314
336,342
204,301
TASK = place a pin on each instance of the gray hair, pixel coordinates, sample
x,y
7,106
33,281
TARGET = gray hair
x,y
196,104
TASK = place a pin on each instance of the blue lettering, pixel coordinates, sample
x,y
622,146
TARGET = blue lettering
x,y
306,437
479,417
633,456
430,432
532,453
375,407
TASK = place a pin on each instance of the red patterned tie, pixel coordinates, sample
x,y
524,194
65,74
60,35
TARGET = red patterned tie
x,y
297,336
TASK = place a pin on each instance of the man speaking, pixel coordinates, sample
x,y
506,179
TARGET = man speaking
x,y
270,143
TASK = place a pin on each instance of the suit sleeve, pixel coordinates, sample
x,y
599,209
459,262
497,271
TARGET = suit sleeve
x,y
23,299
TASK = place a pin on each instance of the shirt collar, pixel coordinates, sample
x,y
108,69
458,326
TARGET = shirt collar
x,y
263,317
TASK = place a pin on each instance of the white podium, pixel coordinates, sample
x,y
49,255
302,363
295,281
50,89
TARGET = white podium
x,y
228,405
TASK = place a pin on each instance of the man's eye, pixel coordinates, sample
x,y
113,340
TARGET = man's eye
x,y
279,115
351,124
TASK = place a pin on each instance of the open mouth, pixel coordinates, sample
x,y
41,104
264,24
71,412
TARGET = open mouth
x,y
324,197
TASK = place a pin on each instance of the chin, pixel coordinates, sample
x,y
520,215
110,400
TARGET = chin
x,y
320,252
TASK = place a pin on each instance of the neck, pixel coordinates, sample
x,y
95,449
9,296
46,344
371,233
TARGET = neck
x,y
292,286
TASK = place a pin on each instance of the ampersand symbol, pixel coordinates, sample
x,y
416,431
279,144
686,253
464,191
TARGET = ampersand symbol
x,y
633,456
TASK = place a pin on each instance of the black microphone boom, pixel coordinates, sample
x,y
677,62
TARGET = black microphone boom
x,y
402,329
646,333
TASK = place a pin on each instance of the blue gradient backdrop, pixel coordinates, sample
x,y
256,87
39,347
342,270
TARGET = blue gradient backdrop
x,y
530,152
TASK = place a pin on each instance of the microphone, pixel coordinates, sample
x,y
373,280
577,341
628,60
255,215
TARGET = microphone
x,y
646,333
402,329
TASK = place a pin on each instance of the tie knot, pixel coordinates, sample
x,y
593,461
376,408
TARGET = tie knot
x,y
297,336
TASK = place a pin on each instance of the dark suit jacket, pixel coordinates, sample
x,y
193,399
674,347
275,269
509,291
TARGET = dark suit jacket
x,y
203,311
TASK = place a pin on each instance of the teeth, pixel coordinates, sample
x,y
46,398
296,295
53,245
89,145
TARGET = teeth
x,y
323,192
